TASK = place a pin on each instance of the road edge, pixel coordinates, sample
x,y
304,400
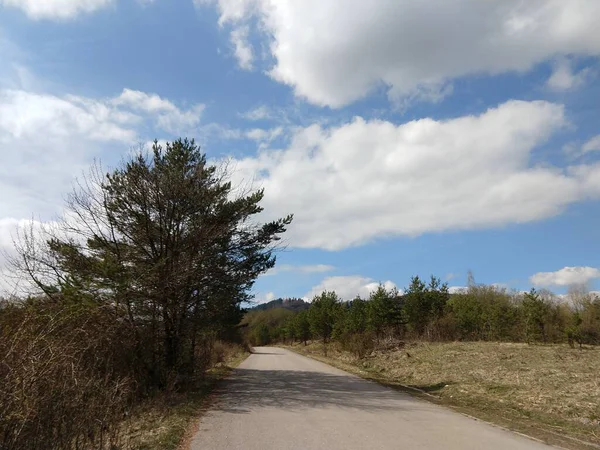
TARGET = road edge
x,y
209,400
426,396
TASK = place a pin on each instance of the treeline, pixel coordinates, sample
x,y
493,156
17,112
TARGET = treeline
x,y
293,304
428,311
136,288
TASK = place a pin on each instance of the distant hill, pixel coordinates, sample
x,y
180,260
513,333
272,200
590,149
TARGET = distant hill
x,y
293,304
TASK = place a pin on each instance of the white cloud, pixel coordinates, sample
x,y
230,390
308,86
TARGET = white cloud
x,y
458,289
567,276
350,184
51,140
260,298
314,268
261,134
264,137
563,78
54,138
347,287
592,145
57,9
335,52
24,114
168,116
139,100
259,113
242,48
575,149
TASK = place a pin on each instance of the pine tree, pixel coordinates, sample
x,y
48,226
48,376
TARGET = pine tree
x,y
164,240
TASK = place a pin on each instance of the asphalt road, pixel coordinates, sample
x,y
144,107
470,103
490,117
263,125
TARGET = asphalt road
x,y
279,400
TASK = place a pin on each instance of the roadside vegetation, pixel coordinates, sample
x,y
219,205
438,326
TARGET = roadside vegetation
x,y
528,361
427,311
136,304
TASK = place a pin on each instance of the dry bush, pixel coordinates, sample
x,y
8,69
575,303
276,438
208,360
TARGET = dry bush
x,y
224,352
219,352
162,421
63,376
442,329
359,344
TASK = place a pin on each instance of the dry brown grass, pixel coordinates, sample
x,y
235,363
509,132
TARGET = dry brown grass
x,y
549,391
164,422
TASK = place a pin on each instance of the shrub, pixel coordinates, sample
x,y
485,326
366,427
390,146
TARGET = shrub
x,y
359,344
65,378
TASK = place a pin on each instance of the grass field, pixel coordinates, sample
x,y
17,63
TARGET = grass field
x,y
551,392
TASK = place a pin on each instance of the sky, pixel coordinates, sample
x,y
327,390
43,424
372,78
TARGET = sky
x,y
407,138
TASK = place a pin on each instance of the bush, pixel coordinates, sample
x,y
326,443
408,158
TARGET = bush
x,y
65,378
585,328
359,344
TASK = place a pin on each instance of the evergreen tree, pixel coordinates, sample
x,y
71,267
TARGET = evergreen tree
x,y
534,311
302,326
356,316
323,314
384,311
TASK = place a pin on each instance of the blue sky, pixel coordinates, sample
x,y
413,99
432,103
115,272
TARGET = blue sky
x,y
407,138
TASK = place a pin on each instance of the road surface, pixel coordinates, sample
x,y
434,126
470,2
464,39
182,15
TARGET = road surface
x,y
278,400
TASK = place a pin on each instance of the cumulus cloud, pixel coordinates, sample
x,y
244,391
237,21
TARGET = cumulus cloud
x,y
57,9
306,269
352,183
567,276
563,77
168,116
347,287
24,114
264,137
314,52
51,139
